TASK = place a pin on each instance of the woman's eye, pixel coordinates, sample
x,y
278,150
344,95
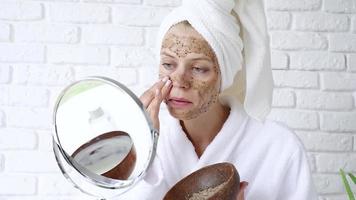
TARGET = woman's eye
x,y
167,66
199,69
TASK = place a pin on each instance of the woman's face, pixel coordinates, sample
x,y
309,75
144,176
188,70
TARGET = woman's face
x,y
188,60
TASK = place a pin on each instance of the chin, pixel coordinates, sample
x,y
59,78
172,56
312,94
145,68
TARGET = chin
x,y
182,115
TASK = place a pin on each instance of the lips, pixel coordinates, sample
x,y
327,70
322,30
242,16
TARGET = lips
x,y
178,102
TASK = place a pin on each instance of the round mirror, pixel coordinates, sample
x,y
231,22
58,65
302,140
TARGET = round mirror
x,y
104,140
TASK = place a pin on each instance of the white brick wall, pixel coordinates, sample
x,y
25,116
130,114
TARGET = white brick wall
x,y
324,100
10,185
78,13
5,30
293,40
279,20
46,44
74,54
44,33
42,75
13,52
338,121
342,42
341,81
314,60
296,79
291,5
320,21
340,6
112,35
351,64
21,11
139,15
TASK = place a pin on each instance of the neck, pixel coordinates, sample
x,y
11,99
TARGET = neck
x,y
203,129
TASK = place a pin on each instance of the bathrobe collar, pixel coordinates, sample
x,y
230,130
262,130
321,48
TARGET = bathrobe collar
x,y
180,148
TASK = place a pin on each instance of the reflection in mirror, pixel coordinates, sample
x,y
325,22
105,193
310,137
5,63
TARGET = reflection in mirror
x,y
110,154
102,132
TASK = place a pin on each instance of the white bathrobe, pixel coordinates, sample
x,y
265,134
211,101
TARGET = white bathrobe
x,y
267,155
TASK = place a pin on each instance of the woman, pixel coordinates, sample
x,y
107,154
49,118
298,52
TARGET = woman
x,y
200,54
189,85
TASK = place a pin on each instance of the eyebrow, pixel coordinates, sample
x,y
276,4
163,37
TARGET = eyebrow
x,y
166,53
203,58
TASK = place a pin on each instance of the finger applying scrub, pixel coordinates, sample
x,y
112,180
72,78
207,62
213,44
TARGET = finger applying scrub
x,y
154,107
147,97
160,95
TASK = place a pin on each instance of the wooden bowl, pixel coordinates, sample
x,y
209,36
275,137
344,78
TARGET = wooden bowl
x,y
214,182
122,170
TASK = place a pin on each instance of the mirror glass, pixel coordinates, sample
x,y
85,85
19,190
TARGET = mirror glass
x,y
103,136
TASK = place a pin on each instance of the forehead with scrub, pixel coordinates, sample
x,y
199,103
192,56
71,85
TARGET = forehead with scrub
x,y
182,39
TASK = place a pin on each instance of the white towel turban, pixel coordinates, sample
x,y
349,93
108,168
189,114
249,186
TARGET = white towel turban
x,y
217,22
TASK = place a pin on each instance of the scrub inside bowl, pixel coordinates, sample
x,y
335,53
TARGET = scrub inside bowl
x,y
218,181
207,193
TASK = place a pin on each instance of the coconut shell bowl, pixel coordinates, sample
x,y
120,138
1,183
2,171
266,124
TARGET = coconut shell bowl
x,y
214,182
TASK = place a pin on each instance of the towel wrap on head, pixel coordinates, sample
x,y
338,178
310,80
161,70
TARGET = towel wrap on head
x,y
237,33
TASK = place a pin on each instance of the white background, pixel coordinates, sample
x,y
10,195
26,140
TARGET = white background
x,y
46,44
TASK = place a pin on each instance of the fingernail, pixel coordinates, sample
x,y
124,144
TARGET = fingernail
x,y
168,82
165,79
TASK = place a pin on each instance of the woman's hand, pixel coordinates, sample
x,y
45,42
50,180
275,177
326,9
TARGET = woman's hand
x,y
241,194
153,97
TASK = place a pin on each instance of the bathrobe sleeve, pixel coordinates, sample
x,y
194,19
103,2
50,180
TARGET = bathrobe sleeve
x,y
297,183
152,186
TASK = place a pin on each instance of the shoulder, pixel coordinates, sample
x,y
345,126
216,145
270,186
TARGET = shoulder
x,y
278,137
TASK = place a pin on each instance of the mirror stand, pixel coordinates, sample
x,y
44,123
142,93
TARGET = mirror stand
x,y
103,138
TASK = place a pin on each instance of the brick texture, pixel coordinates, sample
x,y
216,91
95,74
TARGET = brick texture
x,y
47,44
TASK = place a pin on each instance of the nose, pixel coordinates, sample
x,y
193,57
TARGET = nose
x,y
180,78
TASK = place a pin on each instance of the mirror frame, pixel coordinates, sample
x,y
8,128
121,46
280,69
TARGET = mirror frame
x,y
74,172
